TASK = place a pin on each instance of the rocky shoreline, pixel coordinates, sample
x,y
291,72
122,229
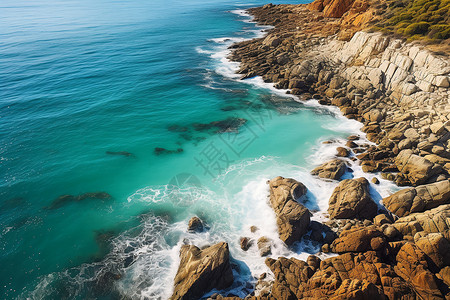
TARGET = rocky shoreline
x,y
401,93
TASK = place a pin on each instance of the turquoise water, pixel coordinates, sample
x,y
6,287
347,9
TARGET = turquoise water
x,y
79,79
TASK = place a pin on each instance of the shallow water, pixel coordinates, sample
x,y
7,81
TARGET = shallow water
x,y
80,79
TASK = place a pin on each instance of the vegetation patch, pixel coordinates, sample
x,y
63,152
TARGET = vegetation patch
x,y
416,19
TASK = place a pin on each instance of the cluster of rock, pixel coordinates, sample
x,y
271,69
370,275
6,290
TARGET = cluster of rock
x,y
380,256
399,91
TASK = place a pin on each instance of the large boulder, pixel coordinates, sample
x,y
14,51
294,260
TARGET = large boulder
x,y
436,246
413,268
292,217
202,270
332,170
430,221
418,199
415,168
351,199
359,239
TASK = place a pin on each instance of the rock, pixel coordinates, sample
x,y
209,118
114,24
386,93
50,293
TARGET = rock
x,y
351,144
437,128
417,169
373,116
292,218
351,199
245,243
342,152
375,180
336,8
430,221
253,229
435,246
411,134
381,219
413,268
264,246
418,199
359,239
357,289
332,170
202,270
271,41
195,225
347,276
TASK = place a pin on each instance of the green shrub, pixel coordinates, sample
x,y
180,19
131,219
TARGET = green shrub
x,y
417,28
440,31
416,19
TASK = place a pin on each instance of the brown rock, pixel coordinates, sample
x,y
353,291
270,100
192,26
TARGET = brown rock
x,y
333,169
435,246
359,239
351,199
292,218
381,219
264,246
417,169
418,199
195,225
202,270
337,8
351,144
245,243
430,221
342,152
413,268
338,277
373,115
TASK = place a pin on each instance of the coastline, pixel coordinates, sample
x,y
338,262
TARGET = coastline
x,y
402,148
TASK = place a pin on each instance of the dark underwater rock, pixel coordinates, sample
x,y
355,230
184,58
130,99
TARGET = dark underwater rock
x,y
124,153
160,151
66,199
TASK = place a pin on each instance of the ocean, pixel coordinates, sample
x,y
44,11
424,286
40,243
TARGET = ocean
x,y
121,120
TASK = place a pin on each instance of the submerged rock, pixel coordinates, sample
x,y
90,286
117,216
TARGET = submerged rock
x,y
66,199
351,199
332,170
202,270
177,128
231,124
123,153
160,151
292,217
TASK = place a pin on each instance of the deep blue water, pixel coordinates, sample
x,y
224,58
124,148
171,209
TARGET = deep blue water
x,y
80,78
